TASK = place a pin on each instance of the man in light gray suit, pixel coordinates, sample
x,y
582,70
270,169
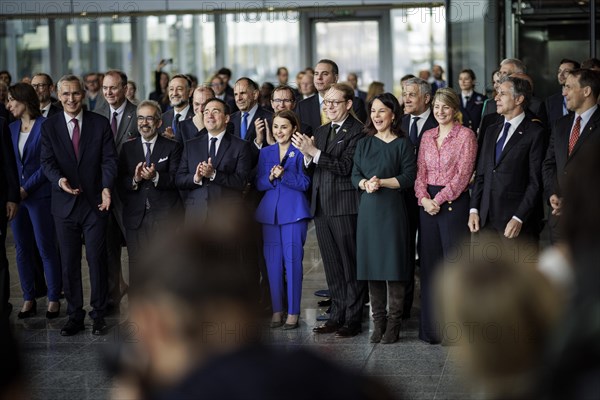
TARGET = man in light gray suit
x,y
121,114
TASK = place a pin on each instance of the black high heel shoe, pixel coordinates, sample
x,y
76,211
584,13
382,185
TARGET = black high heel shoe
x,y
29,313
53,314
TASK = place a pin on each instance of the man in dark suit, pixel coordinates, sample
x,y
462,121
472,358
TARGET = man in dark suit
x,y
194,127
438,79
310,110
334,204
353,81
122,116
147,169
569,134
418,118
225,74
214,171
9,200
79,158
506,198
179,90
246,93
43,85
556,104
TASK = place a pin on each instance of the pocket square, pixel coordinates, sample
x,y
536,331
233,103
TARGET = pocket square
x,y
340,141
163,159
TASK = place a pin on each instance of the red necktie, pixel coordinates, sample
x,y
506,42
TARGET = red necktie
x,y
76,136
574,134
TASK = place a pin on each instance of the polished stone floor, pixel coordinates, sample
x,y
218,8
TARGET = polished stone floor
x,y
72,367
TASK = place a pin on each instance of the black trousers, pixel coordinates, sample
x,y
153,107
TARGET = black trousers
x,y
337,243
85,221
441,239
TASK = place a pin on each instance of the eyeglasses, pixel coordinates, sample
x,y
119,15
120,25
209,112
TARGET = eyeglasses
x,y
285,101
40,85
149,118
336,103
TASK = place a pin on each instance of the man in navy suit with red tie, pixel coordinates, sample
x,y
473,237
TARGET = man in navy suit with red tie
x,y
79,158
569,134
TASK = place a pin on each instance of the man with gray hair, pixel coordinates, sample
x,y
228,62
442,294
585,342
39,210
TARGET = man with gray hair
x,y
509,66
506,198
418,118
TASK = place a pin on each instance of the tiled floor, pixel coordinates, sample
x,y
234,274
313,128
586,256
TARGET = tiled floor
x,y
72,367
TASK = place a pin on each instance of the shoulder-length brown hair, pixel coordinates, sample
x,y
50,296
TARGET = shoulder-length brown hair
x,y
391,102
25,93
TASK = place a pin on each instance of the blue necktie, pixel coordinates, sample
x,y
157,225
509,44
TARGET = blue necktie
x,y
244,126
414,131
564,104
501,141
148,153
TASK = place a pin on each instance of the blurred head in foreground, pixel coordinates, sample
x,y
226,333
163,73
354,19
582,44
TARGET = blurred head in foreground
x,y
197,333
500,310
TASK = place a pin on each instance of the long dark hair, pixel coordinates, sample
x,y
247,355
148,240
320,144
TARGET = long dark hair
x,y
391,102
25,93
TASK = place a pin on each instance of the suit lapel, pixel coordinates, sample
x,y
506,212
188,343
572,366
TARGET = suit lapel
x,y
586,131
126,120
85,138
225,143
63,135
33,135
514,139
341,133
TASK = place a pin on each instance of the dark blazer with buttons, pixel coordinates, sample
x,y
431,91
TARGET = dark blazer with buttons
x,y
513,186
31,175
430,123
309,111
232,164
127,129
556,163
169,115
332,187
471,114
95,169
164,197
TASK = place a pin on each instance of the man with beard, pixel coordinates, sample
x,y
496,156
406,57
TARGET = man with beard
x,y
179,95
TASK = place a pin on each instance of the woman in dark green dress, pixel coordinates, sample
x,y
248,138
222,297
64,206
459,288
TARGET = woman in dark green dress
x,y
384,165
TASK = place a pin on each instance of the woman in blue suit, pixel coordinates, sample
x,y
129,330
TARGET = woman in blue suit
x,y
284,214
33,222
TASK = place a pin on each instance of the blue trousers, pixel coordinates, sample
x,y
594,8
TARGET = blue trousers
x,y
34,224
284,251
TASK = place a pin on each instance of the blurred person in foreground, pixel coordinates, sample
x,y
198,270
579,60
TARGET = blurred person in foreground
x,y
572,361
198,335
500,310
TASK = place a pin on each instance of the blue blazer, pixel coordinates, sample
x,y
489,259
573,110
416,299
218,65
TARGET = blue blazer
x,y
31,175
285,199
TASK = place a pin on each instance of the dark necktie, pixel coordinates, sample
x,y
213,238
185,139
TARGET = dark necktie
x,y
175,124
414,131
575,134
501,141
467,98
244,126
212,151
332,133
148,152
113,124
76,136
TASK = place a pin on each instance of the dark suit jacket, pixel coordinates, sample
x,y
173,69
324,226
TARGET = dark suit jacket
x,y
513,186
430,123
31,175
232,164
96,168
54,109
9,178
556,163
472,112
309,111
236,119
167,118
332,187
127,129
554,107
164,197
362,95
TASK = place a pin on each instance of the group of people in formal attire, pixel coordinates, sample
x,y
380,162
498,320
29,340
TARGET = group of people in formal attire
x,y
386,183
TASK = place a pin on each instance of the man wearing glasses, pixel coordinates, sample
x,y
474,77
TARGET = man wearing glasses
x,y
79,158
147,169
42,83
93,94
